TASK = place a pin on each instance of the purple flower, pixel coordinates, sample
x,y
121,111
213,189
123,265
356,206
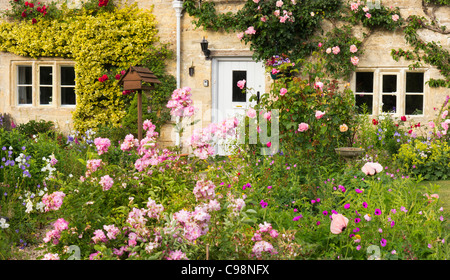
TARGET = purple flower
x,y
383,242
263,204
358,191
357,220
377,212
325,212
296,218
364,204
346,206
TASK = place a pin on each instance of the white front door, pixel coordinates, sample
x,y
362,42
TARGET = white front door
x,y
228,98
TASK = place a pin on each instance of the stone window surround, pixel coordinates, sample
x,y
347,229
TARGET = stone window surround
x,y
35,64
401,88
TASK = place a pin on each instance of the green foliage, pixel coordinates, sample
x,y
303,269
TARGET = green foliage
x,y
33,127
425,52
292,28
102,42
430,160
303,98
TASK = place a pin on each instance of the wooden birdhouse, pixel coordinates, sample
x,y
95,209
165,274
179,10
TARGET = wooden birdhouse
x,y
138,79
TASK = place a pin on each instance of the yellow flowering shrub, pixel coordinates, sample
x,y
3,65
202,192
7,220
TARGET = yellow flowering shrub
x,y
101,43
429,159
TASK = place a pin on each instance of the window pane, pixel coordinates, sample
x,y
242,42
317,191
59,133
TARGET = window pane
x,y
414,104
68,96
238,95
389,103
364,102
389,83
67,75
45,75
414,82
364,82
25,95
45,95
25,75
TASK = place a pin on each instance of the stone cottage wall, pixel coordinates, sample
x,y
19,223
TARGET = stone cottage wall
x,y
377,55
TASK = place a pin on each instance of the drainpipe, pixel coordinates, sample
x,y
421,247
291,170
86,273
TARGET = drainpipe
x,y
178,6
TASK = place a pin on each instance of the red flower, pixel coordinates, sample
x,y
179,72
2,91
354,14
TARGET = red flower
x,y
102,3
117,77
31,5
33,21
24,13
403,118
417,125
410,131
103,78
375,122
26,4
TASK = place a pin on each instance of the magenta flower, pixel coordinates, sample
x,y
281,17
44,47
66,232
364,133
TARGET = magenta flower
x,y
377,212
346,206
357,220
383,242
263,204
296,218
364,204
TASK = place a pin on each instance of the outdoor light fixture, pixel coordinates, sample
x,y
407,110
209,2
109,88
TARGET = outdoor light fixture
x,y
192,70
205,50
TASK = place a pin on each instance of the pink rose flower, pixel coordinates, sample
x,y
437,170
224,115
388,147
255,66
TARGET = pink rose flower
x,y
303,127
395,17
319,114
368,15
318,85
283,91
354,60
251,113
353,49
250,30
241,84
336,49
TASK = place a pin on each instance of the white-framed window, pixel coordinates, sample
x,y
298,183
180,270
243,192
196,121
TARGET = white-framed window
x,y
24,85
44,83
396,91
67,85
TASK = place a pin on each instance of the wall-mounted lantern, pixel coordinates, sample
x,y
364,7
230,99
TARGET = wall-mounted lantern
x,y
192,70
205,50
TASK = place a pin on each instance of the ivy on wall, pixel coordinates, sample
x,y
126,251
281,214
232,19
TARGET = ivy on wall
x,y
293,27
103,40
423,51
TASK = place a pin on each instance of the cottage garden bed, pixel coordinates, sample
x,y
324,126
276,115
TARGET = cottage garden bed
x,y
100,200
87,196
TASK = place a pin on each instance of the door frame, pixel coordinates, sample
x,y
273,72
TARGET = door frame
x,y
214,77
